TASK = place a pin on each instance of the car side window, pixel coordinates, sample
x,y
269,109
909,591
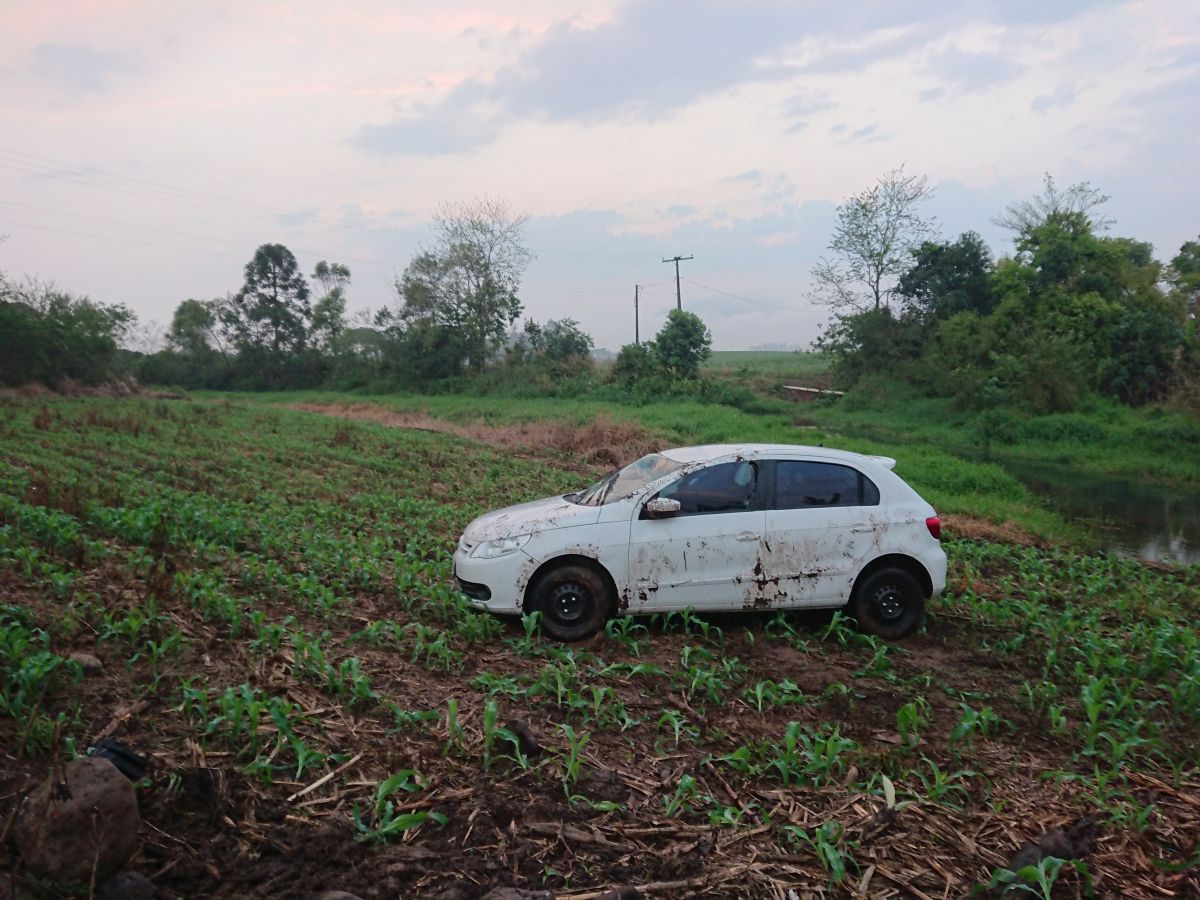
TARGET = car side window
x,y
725,487
805,485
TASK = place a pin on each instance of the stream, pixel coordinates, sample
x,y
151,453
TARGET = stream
x,y
1139,519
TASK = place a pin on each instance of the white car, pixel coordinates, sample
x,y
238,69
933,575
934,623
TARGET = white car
x,y
715,528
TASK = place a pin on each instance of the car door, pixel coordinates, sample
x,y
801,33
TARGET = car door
x,y
707,554
820,529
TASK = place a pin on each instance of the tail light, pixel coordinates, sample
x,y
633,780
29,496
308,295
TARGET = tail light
x,y
934,524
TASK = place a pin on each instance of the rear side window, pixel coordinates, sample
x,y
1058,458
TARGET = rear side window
x,y
726,487
803,485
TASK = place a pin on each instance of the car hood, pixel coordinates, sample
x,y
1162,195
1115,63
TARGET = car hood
x,y
528,518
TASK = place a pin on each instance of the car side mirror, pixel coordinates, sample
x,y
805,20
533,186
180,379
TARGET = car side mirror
x,y
662,508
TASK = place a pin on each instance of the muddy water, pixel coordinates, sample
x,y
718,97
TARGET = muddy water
x,y
1136,518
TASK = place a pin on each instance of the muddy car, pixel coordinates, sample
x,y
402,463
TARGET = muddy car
x,y
714,528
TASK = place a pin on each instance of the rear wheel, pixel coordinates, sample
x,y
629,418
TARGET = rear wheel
x,y
888,603
573,600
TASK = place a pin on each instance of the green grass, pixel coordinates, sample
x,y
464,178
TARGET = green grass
x,y
768,363
277,587
952,484
1104,439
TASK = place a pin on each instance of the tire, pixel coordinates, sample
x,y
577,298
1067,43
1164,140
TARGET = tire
x,y
574,602
889,603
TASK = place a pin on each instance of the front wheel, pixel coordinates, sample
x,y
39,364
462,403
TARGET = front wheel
x,y
888,603
573,601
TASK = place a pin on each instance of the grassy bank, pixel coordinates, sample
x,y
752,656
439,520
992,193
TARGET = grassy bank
x,y
953,485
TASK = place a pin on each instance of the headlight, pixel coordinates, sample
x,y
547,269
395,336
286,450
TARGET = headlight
x,y
500,546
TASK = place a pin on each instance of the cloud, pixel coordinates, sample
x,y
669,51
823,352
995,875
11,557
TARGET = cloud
x,y
81,69
972,71
1063,95
655,57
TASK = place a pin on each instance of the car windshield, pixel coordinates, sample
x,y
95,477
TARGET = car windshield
x,y
625,482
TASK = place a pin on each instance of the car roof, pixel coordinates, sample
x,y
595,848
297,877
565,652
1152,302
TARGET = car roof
x,y
708,452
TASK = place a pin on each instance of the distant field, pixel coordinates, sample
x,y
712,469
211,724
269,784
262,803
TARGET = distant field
x,y
767,362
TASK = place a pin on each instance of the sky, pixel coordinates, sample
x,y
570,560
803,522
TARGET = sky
x,y
147,148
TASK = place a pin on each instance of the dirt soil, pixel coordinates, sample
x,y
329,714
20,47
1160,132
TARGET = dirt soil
x,y
211,830
602,443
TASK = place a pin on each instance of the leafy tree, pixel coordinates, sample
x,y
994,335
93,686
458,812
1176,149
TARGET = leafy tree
x,y
467,284
947,278
1183,274
682,344
635,362
329,312
559,341
271,312
47,335
194,327
872,241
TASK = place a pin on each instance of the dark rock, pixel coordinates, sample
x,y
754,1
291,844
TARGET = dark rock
x,y
338,895
526,739
1074,842
126,886
624,892
508,893
84,823
91,665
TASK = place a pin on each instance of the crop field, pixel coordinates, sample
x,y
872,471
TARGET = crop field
x,y
270,593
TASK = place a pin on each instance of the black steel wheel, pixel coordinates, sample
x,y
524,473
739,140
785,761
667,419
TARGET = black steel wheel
x,y
889,603
573,600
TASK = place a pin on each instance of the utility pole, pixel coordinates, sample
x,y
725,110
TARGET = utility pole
x,y
636,336
676,259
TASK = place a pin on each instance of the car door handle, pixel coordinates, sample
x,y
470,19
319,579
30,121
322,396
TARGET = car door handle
x,y
862,529
748,536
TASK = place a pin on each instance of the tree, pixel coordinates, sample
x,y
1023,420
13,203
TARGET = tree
x,y
1183,274
47,335
872,241
1081,199
467,283
329,312
560,340
271,312
947,278
193,327
682,344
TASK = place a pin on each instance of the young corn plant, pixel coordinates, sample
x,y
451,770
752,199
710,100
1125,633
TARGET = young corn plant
x,y
385,821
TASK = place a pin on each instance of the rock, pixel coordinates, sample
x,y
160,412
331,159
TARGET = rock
x,y
508,893
526,739
1072,842
86,822
338,895
625,892
126,886
91,665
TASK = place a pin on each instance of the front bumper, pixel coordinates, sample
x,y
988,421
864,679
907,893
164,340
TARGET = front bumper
x,y
497,585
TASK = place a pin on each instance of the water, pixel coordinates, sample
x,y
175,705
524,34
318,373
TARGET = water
x,y
1139,519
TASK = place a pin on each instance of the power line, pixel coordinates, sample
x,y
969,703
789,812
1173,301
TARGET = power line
x,y
743,299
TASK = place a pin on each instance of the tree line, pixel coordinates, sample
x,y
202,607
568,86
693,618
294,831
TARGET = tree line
x,y
455,319
1071,312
